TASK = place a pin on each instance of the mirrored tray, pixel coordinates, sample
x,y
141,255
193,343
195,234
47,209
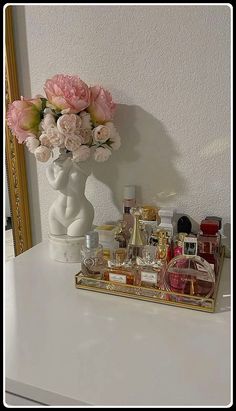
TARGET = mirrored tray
x,y
151,294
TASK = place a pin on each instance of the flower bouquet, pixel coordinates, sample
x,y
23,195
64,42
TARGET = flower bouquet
x,y
73,117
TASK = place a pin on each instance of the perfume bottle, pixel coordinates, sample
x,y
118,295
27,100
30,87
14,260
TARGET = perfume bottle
x,y
209,242
178,248
118,269
166,215
136,241
150,270
93,262
163,248
184,225
129,201
120,234
190,275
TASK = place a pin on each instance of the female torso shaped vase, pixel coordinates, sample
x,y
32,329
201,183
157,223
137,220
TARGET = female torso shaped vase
x,y
71,215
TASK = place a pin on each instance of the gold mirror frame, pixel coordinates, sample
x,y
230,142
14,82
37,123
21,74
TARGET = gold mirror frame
x,y
15,158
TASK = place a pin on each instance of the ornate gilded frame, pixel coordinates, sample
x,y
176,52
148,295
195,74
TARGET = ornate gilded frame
x,y
15,158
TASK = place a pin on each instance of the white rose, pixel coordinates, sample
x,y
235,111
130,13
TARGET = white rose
x,y
102,154
72,142
45,140
82,154
67,123
42,153
56,139
85,120
114,136
115,141
85,136
101,134
48,121
31,143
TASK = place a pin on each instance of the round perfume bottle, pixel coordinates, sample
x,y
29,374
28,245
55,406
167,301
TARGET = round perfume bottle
x,y
190,275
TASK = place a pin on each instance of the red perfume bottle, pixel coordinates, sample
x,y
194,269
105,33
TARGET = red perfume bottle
x,y
209,242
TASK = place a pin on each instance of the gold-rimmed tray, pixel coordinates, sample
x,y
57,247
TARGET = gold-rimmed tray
x,y
151,294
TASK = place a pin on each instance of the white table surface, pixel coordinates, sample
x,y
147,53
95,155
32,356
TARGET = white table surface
x,y
65,346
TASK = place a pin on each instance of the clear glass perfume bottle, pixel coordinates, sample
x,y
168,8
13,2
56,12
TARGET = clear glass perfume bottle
x,y
150,270
93,262
119,269
190,275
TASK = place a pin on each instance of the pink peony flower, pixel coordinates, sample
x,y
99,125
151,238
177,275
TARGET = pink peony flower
x,y
42,153
102,154
23,118
82,154
102,106
32,143
67,92
101,134
72,142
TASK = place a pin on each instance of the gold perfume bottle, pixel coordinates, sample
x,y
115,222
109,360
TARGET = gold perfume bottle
x,y
163,248
136,241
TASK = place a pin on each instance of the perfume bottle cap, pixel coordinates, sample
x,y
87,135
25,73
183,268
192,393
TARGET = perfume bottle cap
x,y
209,226
215,218
129,192
92,239
184,225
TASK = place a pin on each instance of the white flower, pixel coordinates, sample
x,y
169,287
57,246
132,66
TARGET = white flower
x,y
101,133
45,140
48,121
67,123
32,143
85,120
42,153
115,141
56,139
102,154
114,137
82,154
72,142
85,136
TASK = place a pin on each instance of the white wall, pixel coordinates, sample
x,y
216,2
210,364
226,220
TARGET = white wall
x,y
168,67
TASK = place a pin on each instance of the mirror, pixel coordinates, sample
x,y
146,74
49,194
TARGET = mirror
x,y
16,203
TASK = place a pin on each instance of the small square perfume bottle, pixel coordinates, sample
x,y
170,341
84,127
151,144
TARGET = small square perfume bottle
x,y
150,270
118,269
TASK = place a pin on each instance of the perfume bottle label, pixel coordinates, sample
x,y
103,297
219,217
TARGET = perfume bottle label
x,y
149,277
119,278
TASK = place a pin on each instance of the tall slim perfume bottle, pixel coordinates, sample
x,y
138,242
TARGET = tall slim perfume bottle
x,y
129,201
93,262
136,241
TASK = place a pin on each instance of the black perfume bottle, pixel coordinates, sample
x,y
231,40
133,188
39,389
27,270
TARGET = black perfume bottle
x,y
184,225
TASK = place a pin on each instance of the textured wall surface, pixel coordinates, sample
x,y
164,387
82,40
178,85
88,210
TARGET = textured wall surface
x,y
168,67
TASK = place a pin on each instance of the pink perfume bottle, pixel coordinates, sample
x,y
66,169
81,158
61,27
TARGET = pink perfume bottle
x,y
178,249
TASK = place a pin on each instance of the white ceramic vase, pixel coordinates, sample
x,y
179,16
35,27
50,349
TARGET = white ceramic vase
x,y
71,214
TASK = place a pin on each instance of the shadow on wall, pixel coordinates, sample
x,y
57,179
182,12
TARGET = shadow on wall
x,y
146,159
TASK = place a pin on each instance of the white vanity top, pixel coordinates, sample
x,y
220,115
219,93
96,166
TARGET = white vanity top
x,y
66,346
